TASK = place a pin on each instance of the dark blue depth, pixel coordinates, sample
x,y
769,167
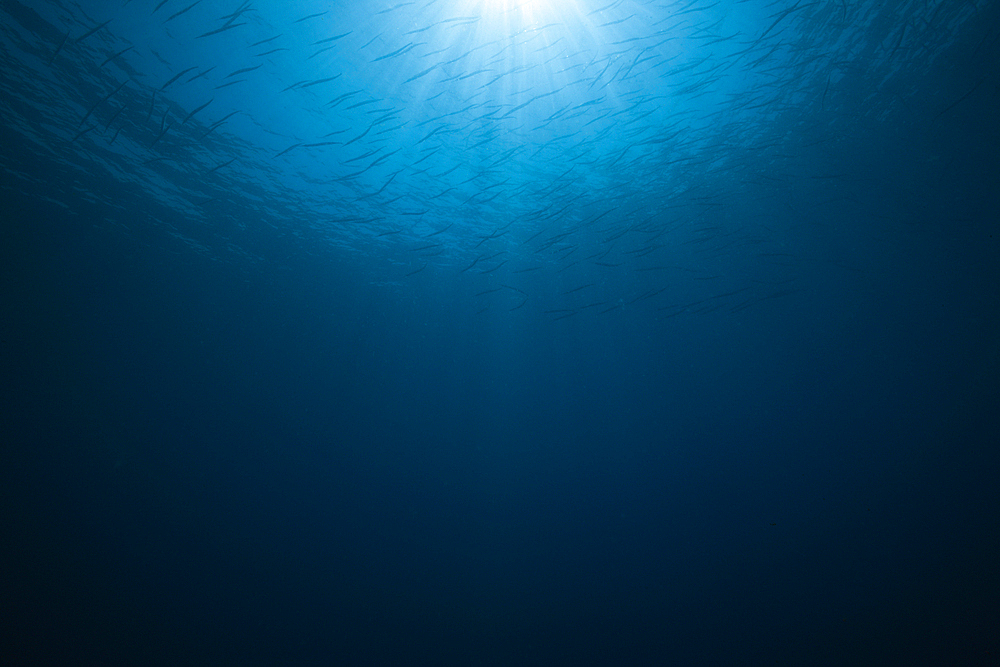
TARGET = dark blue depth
x,y
500,333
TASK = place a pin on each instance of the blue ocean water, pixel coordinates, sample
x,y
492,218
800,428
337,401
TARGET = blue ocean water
x,y
500,332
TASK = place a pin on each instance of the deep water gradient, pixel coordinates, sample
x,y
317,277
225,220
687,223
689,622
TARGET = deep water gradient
x,y
500,333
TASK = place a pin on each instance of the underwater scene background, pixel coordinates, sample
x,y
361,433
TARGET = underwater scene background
x,y
500,332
